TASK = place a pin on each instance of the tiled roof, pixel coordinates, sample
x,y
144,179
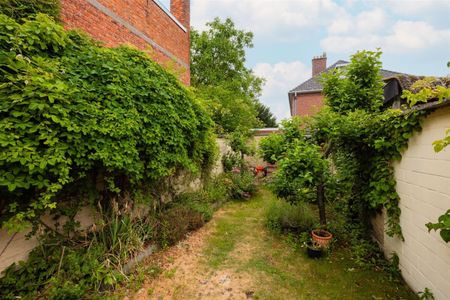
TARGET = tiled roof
x,y
313,84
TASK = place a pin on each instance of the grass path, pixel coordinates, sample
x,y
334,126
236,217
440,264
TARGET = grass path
x,y
235,257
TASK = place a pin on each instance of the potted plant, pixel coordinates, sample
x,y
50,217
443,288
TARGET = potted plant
x,y
321,237
314,250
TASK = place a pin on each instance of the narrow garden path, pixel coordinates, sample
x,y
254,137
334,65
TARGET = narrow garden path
x,y
235,257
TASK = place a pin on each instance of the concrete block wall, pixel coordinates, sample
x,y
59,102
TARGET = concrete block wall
x,y
15,247
423,184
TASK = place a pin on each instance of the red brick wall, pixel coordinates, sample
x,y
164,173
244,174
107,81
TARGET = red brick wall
x,y
308,104
145,16
182,11
319,64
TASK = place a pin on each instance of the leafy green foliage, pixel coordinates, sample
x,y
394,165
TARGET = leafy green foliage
x,y
426,294
63,269
356,126
218,56
443,225
80,264
265,115
231,160
285,216
220,76
439,145
228,108
357,86
424,90
241,185
273,147
362,142
19,9
71,109
239,141
299,171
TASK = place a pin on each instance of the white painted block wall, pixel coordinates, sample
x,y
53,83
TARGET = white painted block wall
x,y
423,184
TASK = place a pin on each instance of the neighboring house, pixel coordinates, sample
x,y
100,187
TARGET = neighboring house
x,y
146,24
307,98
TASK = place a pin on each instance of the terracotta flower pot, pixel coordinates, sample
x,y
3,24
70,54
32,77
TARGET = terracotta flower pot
x,y
321,237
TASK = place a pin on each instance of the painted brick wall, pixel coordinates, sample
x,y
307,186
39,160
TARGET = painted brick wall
x,y
423,184
307,104
142,23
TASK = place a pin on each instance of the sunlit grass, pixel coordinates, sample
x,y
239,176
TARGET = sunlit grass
x,y
281,271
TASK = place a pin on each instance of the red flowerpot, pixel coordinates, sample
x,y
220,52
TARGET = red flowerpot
x,y
321,237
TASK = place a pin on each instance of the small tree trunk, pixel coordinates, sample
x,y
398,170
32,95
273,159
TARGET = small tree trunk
x,y
321,203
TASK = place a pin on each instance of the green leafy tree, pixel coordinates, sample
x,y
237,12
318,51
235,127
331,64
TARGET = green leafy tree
x,y
273,147
228,109
301,172
359,85
219,74
265,115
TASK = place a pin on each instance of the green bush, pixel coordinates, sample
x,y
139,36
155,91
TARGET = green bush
x,y
231,160
284,216
240,185
19,9
176,222
72,110
217,190
59,268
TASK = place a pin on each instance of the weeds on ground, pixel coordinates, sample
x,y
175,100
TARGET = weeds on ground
x,y
71,264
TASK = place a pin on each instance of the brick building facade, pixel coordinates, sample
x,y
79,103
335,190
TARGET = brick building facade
x,y
146,24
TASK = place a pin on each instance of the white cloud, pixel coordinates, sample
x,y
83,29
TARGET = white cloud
x,y
280,79
267,17
365,22
418,7
402,36
408,35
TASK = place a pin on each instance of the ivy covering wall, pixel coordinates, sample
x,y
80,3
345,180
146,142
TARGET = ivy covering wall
x,y
74,113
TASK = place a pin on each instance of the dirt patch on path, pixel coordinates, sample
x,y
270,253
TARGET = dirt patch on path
x,y
186,275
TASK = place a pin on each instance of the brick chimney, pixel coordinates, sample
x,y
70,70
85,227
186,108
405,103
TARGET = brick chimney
x,y
181,9
319,64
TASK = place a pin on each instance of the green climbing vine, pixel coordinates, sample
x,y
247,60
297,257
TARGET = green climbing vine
x,y
364,139
72,111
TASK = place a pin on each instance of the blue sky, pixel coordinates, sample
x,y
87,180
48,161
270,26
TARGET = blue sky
x,y
414,36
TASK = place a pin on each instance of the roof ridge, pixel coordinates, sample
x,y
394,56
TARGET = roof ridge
x,y
313,84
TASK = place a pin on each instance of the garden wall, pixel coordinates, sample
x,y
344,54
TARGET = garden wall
x,y
423,184
16,247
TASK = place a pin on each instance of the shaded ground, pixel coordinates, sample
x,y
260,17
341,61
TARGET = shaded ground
x,y
236,257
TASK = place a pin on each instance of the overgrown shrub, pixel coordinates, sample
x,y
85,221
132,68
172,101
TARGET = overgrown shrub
x,y
74,111
176,222
92,261
60,267
231,160
241,185
288,217
19,9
